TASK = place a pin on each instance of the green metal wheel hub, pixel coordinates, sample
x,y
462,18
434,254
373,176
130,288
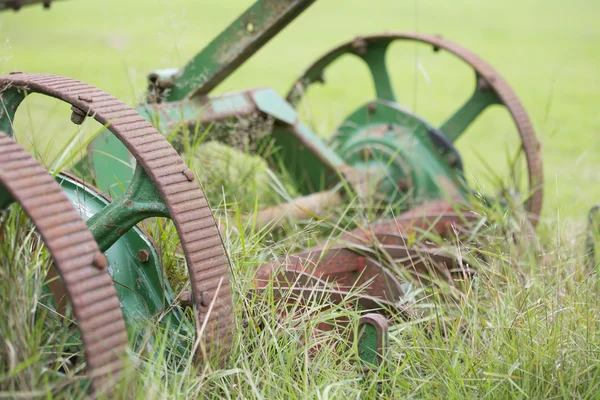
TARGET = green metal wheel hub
x,y
406,157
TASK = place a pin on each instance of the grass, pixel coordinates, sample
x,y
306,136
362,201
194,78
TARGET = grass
x,y
525,326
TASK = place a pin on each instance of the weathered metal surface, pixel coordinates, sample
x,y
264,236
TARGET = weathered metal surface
x,y
404,158
17,4
140,201
76,256
373,339
134,265
362,268
356,261
491,88
337,269
200,239
311,163
240,40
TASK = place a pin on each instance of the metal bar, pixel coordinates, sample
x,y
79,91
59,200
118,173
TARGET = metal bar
x,y
238,42
301,208
468,112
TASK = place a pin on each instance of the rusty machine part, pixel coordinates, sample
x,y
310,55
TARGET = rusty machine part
x,y
80,263
163,186
371,268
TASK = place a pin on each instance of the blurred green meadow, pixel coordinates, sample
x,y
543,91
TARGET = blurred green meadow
x,y
548,50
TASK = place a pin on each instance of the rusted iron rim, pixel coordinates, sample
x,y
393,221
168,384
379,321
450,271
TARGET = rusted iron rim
x,y
531,146
201,241
81,265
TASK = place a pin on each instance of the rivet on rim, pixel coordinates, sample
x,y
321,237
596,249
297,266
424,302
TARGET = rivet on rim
x,y
188,174
99,261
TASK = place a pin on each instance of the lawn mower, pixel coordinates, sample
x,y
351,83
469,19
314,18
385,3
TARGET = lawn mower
x,y
381,152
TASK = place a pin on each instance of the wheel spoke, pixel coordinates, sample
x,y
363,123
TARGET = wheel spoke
x,y
468,112
141,201
373,54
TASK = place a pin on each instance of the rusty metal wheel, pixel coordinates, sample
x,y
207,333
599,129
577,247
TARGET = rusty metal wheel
x,y
77,258
490,88
163,186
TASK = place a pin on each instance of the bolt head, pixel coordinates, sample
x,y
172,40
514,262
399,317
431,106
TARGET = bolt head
x,y
185,299
143,255
77,116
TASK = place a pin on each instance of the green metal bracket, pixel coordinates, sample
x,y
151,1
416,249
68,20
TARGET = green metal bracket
x,y
238,42
141,201
374,57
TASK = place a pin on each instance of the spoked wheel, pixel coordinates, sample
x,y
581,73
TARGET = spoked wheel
x,y
162,186
490,88
80,263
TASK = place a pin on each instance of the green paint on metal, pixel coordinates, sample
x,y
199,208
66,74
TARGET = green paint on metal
x,y
5,198
10,99
383,139
112,164
141,201
227,104
468,112
238,42
368,345
143,290
374,57
269,102
311,164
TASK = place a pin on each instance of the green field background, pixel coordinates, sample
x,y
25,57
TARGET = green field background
x,y
548,50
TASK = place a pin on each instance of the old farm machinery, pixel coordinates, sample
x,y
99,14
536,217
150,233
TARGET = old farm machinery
x,y
380,151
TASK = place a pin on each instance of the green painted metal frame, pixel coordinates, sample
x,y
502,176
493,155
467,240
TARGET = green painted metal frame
x,y
238,42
